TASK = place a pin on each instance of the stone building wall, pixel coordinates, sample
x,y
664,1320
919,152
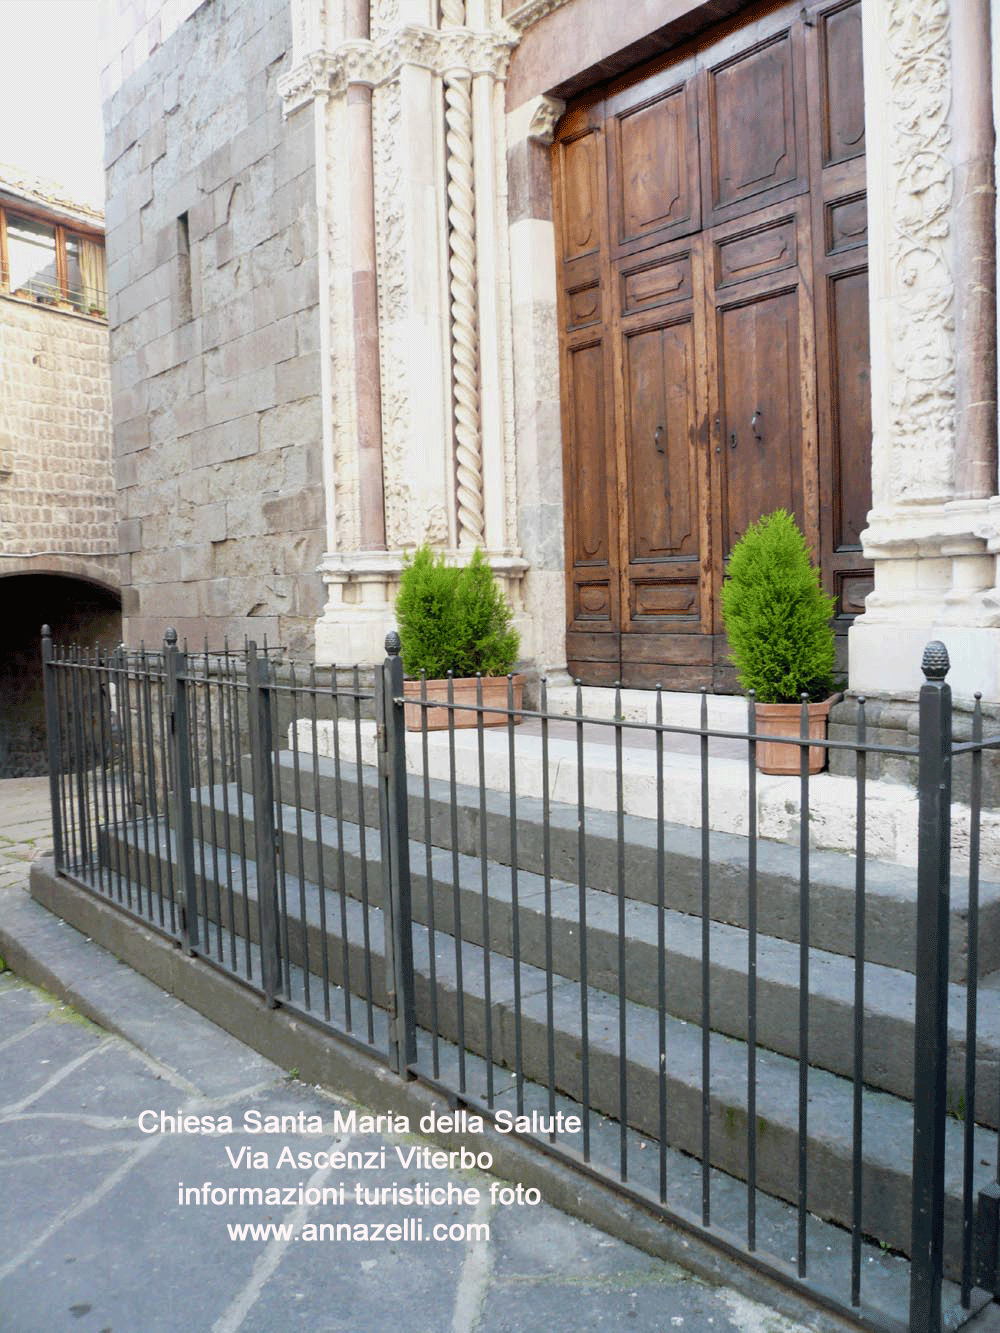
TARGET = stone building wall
x,y
57,507
212,270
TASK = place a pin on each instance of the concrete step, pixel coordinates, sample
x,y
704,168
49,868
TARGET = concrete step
x,y
733,791
514,1032
552,834
547,925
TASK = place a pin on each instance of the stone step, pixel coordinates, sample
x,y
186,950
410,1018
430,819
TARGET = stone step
x,y
888,1041
892,808
512,1029
890,890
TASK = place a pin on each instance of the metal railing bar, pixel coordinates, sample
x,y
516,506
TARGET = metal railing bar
x,y
803,1131
550,1040
972,984
429,876
514,900
857,1156
484,893
456,893
581,811
661,956
299,839
362,838
622,989
751,976
706,998
320,868
338,796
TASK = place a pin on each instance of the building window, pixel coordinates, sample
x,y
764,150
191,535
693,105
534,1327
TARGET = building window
x,y
51,264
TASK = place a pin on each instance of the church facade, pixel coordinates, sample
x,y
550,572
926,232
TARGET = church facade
x,y
588,286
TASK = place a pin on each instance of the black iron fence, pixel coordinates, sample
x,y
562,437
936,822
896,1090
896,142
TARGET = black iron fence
x,y
789,1051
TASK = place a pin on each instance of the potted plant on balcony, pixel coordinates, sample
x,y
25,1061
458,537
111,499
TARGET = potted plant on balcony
x,y
455,619
777,617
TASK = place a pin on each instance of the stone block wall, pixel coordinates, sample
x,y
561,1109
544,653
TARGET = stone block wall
x,y
56,489
213,278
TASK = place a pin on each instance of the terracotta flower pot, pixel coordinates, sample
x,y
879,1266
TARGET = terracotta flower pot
x,y
464,694
783,757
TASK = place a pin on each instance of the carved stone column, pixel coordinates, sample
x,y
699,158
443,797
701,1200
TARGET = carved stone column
x,y
410,120
932,545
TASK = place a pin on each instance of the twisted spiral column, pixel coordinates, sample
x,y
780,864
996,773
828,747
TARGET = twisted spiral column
x,y
464,321
462,287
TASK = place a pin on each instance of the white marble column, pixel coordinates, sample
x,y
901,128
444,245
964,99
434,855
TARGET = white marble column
x,y
933,544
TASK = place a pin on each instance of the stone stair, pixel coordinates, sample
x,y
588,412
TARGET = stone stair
x,y
514,1032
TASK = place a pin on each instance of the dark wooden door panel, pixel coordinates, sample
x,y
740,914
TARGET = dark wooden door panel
x,y
841,83
760,375
714,340
654,188
753,123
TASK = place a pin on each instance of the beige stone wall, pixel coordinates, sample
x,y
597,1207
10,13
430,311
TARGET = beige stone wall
x,y
212,278
57,507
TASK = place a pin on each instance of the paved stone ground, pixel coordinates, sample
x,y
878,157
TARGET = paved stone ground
x,y
94,1236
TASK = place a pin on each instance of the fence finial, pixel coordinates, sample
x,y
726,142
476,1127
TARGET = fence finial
x,y
393,643
46,631
935,664
170,637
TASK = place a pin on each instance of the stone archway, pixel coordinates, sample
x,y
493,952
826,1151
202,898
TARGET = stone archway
x,y
78,611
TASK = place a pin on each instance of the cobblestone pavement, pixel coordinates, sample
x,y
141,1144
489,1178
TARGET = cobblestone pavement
x,y
25,829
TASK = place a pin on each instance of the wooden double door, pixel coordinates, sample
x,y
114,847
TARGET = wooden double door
x,y
713,299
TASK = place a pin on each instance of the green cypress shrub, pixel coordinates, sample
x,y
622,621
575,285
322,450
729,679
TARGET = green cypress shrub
x,y
453,619
777,615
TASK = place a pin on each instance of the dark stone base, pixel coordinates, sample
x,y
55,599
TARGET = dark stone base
x,y
895,724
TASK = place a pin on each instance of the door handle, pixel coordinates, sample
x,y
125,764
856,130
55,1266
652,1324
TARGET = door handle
x,y
753,425
658,444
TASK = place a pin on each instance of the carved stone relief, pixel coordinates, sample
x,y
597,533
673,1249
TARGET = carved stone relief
x,y
922,394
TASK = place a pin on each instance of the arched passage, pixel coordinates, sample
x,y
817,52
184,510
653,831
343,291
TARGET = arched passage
x,y
79,612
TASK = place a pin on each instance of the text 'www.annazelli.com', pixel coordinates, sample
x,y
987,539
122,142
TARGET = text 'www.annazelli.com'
x,y
353,1233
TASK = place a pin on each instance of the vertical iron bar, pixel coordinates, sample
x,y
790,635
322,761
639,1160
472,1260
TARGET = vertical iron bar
x,y
222,680
102,695
972,988
550,1025
176,685
661,951
399,922
706,999
259,713
150,839
212,805
318,821
363,853
338,799
129,803
803,1145
195,734
241,815
274,760
53,731
752,973
620,887
456,888
299,838
429,876
931,1015
484,890
164,748
154,804
116,765
80,764
514,900
857,1186
581,857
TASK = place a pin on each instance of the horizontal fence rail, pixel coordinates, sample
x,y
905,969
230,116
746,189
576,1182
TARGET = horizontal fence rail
x,y
573,928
